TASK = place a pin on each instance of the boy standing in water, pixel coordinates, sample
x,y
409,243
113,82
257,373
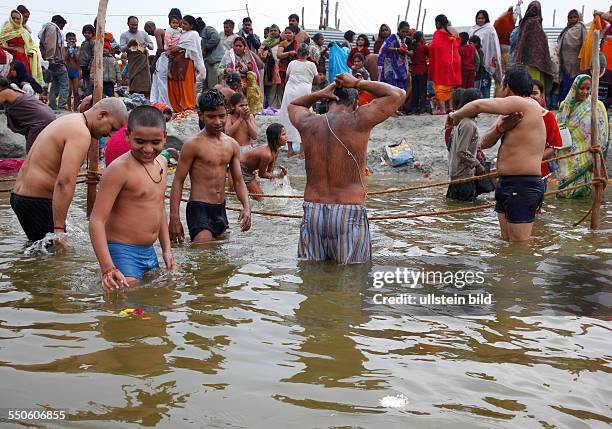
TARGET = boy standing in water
x,y
206,157
129,214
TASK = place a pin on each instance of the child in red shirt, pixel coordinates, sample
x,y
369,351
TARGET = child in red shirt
x,y
363,43
467,52
419,74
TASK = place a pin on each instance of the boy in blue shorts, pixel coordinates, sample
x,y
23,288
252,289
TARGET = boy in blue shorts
x,y
129,213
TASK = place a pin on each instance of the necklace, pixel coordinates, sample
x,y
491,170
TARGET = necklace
x,y
161,170
86,123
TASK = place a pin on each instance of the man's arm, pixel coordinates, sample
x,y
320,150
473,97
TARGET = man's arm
x,y
148,42
497,130
50,38
266,168
123,42
75,150
495,106
186,158
240,187
299,109
387,99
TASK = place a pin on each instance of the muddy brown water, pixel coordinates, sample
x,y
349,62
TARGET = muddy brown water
x,y
244,336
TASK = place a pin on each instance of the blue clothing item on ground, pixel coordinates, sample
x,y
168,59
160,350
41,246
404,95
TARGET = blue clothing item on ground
x,y
519,197
59,87
133,260
337,232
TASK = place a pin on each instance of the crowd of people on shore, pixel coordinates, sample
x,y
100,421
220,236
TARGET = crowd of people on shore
x,y
330,96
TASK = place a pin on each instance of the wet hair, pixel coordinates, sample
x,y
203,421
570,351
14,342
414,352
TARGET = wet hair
x,y
88,28
58,19
537,83
465,37
294,16
518,79
470,95
229,22
236,98
70,34
302,50
146,116
485,14
130,17
210,100
457,96
417,37
349,35
190,20
4,83
476,41
402,25
359,56
247,19
443,21
365,38
273,133
346,96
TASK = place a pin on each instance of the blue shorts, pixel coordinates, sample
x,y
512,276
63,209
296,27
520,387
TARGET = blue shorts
x,y
73,73
519,197
133,260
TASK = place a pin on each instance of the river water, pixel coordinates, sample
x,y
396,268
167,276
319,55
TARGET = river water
x,y
244,336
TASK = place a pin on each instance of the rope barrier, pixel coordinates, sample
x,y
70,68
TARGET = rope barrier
x,y
12,179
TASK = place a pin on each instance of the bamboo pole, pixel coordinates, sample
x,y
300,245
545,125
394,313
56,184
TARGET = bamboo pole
x,y
595,212
554,17
407,9
247,10
326,14
423,22
336,22
419,15
303,23
94,150
321,23
398,20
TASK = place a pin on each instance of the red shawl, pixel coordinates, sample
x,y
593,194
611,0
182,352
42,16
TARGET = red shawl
x,y
444,59
504,26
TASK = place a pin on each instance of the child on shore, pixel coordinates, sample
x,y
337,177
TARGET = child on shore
x,y
240,123
173,34
129,213
358,67
363,44
419,74
86,56
467,52
110,73
71,56
263,158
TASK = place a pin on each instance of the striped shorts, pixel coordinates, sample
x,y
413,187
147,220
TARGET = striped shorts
x,y
336,232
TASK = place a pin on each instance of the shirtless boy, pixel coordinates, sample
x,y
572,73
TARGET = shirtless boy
x,y
335,224
240,123
520,189
46,182
262,159
129,213
206,157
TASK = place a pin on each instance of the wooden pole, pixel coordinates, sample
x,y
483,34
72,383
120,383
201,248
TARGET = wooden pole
x,y
321,23
94,150
247,10
336,17
599,187
398,21
423,22
407,9
303,23
419,15
554,17
327,14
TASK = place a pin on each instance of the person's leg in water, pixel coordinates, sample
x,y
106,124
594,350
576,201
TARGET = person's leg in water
x,y
290,151
203,237
254,188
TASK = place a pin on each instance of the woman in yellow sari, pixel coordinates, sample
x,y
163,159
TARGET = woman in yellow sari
x,y
15,39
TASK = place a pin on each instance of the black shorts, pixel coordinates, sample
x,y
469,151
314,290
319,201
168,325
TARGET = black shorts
x,y
519,197
35,215
201,215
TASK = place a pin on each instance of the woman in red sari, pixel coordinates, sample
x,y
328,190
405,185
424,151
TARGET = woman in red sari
x,y
444,62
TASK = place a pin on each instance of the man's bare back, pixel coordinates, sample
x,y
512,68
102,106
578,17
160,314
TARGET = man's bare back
x,y
39,172
139,194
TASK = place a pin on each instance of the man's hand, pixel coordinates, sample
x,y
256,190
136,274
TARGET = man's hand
x,y
480,169
169,260
245,219
175,228
132,42
451,121
328,92
113,280
283,171
61,240
508,122
345,80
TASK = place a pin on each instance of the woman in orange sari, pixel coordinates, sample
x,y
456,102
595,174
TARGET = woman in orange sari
x,y
444,62
186,58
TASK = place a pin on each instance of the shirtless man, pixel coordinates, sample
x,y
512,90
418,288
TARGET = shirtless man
x,y
46,182
129,213
520,189
240,123
335,224
206,157
262,159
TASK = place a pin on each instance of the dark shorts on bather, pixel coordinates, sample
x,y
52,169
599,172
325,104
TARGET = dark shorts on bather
x,y
35,215
462,192
201,216
519,197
